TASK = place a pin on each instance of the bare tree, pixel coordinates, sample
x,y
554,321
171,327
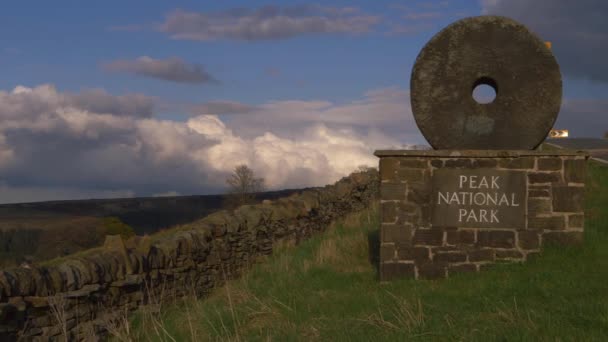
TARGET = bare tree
x,y
242,187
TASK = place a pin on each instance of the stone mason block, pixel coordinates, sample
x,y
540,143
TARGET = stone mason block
x,y
557,222
408,218
432,270
509,254
408,213
484,163
544,177
437,163
563,238
388,169
459,163
568,198
461,237
416,254
428,237
549,164
394,270
539,191
419,193
441,249
574,170
576,221
450,257
425,215
397,233
392,191
418,163
412,175
538,206
485,254
408,207
387,252
388,212
528,239
516,163
496,238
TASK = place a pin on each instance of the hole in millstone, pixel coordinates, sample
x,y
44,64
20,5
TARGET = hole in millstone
x,y
485,90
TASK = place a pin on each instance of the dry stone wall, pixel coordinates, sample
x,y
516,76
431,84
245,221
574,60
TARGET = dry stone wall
x,y
79,295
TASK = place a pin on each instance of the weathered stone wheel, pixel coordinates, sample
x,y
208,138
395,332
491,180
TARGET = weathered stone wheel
x,y
494,51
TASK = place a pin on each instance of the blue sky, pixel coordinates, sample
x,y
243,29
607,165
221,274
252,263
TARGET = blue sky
x,y
64,42
157,97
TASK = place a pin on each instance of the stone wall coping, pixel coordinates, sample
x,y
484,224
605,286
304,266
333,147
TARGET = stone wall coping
x,y
478,153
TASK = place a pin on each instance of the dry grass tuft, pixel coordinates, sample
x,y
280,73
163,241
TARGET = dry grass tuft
x,y
403,315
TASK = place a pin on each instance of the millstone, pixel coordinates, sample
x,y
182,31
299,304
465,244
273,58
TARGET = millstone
x,y
498,52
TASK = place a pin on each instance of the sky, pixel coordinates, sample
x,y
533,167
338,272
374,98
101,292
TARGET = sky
x,y
156,98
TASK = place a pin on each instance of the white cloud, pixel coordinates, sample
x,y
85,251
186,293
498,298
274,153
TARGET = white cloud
x,y
265,23
172,69
49,140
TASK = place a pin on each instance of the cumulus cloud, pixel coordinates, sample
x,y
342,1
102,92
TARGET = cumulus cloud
x,y
266,23
80,145
387,109
577,29
100,101
172,69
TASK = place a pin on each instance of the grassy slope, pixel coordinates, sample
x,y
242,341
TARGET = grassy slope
x,y
327,289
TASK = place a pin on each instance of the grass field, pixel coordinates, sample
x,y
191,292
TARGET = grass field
x,y
327,289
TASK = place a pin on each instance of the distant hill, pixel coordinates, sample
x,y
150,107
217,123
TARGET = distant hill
x,y
597,148
44,230
144,214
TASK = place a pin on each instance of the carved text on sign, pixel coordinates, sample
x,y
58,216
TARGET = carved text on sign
x,y
478,198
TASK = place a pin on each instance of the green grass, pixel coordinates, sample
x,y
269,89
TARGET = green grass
x,y
327,289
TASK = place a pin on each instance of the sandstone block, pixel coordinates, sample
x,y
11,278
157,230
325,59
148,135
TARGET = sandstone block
x,y
547,223
550,164
396,233
417,254
485,254
568,198
428,237
414,163
388,169
496,238
392,191
516,163
450,257
528,239
574,170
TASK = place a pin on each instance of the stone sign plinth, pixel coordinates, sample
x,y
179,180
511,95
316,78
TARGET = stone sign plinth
x,y
445,211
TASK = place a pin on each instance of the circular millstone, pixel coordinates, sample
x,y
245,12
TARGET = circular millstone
x,y
494,51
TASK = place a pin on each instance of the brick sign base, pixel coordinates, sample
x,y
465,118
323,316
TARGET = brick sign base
x,y
445,211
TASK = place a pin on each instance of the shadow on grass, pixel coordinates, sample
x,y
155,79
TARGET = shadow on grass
x,y
373,240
